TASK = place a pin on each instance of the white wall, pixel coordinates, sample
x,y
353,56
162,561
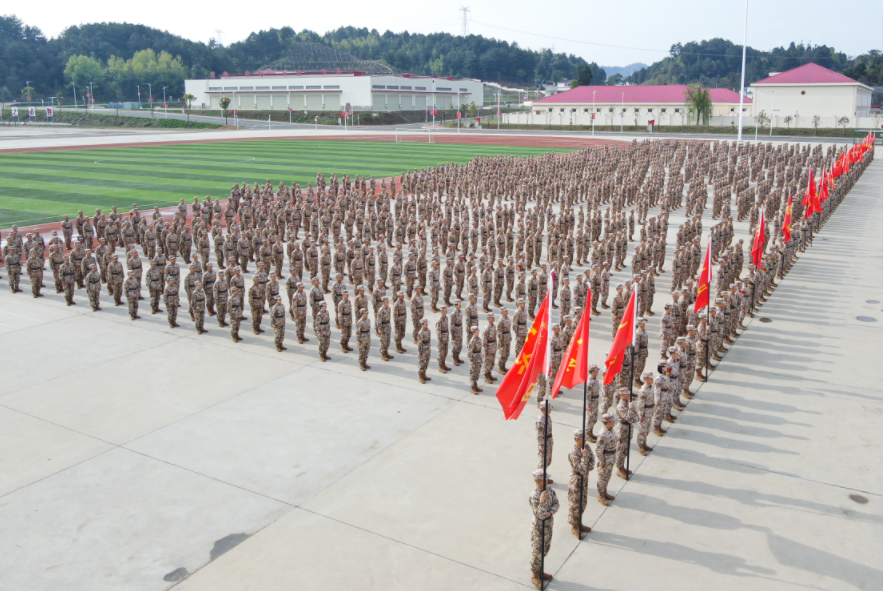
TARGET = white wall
x,y
829,101
632,114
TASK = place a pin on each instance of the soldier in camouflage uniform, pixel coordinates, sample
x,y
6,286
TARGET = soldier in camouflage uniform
x,y
442,337
605,452
582,462
322,329
93,288
645,412
345,321
400,315
544,505
417,310
133,292
115,279
198,303
474,354
520,325
456,323
382,320
154,280
504,340
299,311
277,321
702,342
34,267
235,306
489,341
423,349
172,302
641,351
542,425
256,303
593,388
220,295
627,415
363,338
666,330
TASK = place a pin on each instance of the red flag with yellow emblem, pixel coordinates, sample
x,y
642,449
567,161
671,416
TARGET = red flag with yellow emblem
x,y
519,382
575,364
624,338
705,281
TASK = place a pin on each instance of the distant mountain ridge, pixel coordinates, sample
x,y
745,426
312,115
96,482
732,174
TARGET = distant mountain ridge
x,y
624,71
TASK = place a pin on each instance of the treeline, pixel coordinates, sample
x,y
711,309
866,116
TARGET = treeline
x,y
115,57
717,63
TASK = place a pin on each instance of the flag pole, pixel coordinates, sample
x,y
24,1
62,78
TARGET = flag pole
x,y
709,303
636,287
545,486
583,421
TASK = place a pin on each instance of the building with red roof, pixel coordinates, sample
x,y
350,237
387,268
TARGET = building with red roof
x,y
810,91
633,105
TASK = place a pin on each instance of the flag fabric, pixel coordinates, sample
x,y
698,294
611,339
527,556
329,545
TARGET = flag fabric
x,y
810,193
824,190
838,168
518,384
705,282
758,243
575,367
787,221
624,337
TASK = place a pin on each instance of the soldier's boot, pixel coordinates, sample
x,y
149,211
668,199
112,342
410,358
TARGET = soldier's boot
x,y
367,366
344,349
649,313
362,366
456,360
608,495
590,437
434,308
389,357
669,418
716,357
281,348
603,500
501,369
349,348
678,405
426,377
585,528
536,579
647,448
174,325
729,340
687,393
136,317
445,365
660,431
442,368
474,387
699,377
623,473
488,378
642,451
325,357
577,532
421,378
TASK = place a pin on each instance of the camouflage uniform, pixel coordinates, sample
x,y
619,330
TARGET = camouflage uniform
x,y
235,306
541,525
489,340
322,328
198,303
504,339
605,452
93,288
645,411
456,323
277,321
442,336
299,311
172,302
626,415
474,351
363,338
423,351
382,319
400,314
345,320
133,292
582,462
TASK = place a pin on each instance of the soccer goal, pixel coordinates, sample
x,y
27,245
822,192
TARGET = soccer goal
x,y
412,134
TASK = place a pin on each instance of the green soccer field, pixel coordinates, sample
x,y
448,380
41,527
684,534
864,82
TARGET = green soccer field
x,y
41,187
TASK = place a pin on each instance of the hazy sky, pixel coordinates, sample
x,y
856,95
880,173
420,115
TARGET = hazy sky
x,y
585,28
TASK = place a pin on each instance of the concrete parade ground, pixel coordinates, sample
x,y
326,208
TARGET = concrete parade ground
x,y
138,457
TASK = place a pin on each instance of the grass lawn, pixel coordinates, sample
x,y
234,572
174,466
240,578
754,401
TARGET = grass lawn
x,y
44,186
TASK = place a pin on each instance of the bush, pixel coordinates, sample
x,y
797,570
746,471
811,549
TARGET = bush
x,y
80,119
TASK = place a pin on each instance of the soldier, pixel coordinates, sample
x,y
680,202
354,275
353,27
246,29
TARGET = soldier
x,y
34,268
489,341
220,297
702,342
363,338
627,415
618,306
277,321
565,296
256,303
235,306
605,452
172,302
154,280
299,311
666,328
544,505
400,314
557,350
520,325
543,428
645,412
68,278
345,319
434,286
93,288
456,323
504,339
417,309
133,293
641,351
474,353
198,307
582,462
593,387
322,329
442,335
423,350
382,324
208,279
533,289
115,279
337,290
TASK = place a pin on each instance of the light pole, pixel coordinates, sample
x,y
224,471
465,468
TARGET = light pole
x,y
75,94
165,111
743,73
91,96
150,98
138,88
593,112
434,103
772,110
621,110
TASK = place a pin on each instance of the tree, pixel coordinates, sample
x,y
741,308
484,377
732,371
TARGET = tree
x,y
843,121
58,98
27,93
816,122
224,103
82,69
763,119
188,99
787,120
584,76
699,102
615,80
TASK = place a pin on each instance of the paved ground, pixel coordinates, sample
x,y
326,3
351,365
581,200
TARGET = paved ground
x,y
133,456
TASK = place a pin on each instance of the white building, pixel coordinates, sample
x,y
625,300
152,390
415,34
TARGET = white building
x,y
633,105
334,91
813,91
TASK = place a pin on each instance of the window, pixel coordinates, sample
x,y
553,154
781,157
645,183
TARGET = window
x,y
296,88
405,87
598,110
388,88
279,88
636,111
440,89
662,110
420,87
586,110
678,110
463,89
650,110
314,88
377,86
332,87
732,109
230,88
262,88
214,88
561,110
247,88
624,110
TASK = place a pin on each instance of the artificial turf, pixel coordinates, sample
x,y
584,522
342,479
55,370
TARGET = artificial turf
x,y
44,186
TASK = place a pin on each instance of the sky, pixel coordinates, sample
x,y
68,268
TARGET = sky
x,y
608,33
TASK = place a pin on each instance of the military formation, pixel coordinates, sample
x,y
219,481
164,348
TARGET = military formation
x,y
364,259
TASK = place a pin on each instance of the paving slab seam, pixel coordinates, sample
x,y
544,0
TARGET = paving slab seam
x,y
319,365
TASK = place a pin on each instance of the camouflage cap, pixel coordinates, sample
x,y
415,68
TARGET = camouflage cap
x,y
607,418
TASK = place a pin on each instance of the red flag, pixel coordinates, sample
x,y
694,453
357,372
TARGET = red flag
x,y
624,337
810,193
518,383
758,243
824,191
787,221
705,280
838,168
575,368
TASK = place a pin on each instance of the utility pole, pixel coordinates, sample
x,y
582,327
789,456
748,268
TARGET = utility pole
x,y
465,19
218,33
743,74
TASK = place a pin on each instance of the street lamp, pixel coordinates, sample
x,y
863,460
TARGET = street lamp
x,y
434,103
165,111
150,98
91,96
75,94
743,73
593,112
139,95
